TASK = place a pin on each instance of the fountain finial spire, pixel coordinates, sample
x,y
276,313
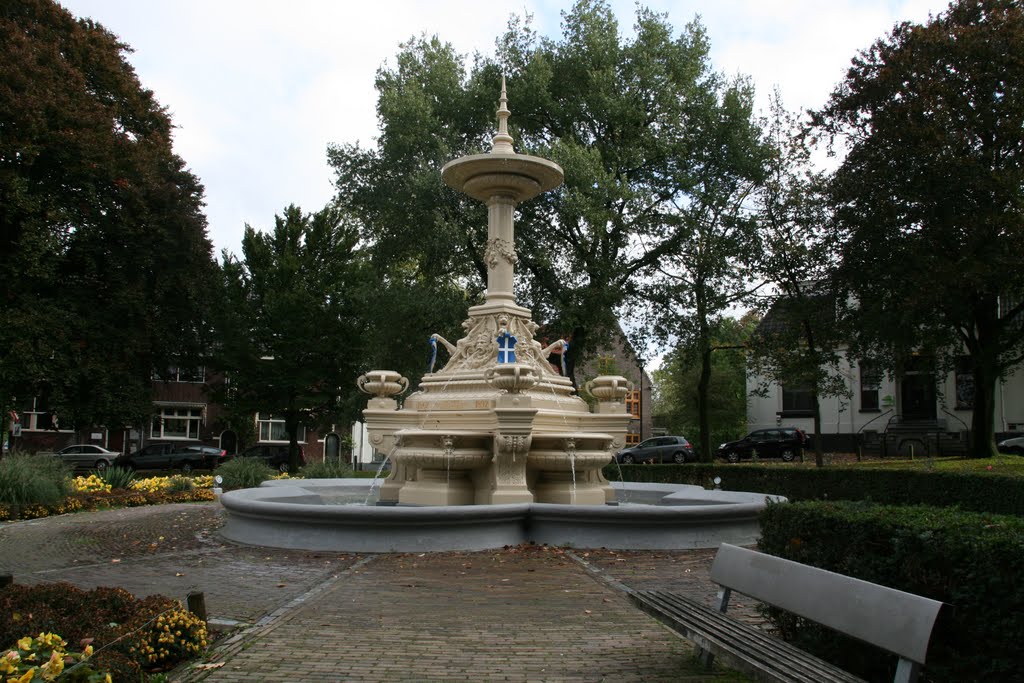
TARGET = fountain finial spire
x,y
501,143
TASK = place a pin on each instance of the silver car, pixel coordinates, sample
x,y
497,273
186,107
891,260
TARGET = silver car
x,y
86,456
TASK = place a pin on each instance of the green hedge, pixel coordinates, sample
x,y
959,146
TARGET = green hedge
x,y
972,561
968,491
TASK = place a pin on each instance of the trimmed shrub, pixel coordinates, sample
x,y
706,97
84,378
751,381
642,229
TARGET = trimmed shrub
x,y
244,473
971,561
178,484
328,469
118,477
33,480
969,491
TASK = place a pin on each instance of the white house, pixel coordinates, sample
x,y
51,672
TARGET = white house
x,y
916,410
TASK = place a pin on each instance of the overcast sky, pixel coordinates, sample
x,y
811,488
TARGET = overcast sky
x,y
257,89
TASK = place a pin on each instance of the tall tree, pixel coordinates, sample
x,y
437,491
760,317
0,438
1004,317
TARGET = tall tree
x,y
929,200
104,259
799,344
628,120
677,404
710,270
289,331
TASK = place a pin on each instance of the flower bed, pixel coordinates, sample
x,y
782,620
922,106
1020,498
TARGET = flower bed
x,y
119,636
92,493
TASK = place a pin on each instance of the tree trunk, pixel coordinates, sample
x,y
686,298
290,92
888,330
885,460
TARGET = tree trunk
x,y
819,454
983,440
579,335
703,421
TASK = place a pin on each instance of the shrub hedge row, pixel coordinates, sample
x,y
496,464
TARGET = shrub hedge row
x,y
968,491
972,561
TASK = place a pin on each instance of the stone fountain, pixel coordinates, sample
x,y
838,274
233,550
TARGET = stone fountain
x,y
495,448
498,423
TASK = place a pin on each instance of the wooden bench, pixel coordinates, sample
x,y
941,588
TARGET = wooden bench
x,y
894,621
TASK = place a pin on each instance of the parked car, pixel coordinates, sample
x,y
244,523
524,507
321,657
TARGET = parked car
x,y
780,442
1012,446
274,454
658,449
177,455
86,456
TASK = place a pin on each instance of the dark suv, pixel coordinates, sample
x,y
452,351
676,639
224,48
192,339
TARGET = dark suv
x,y
659,449
274,454
176,455
780,442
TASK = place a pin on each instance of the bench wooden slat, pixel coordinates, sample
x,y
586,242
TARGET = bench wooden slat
x,y
796,664
743,646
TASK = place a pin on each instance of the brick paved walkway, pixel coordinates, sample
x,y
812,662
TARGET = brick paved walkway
x,y
518,614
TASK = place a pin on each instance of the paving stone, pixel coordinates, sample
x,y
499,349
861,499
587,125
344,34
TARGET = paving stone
x,y
526,613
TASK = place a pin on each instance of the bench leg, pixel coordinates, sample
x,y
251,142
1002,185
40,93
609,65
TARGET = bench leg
x,y
706,657
906,671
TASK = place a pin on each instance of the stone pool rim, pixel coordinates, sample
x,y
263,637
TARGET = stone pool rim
x,y
288,514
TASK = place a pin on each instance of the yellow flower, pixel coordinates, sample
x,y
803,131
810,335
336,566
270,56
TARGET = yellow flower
x,y
87,651
54,667
29,675
25,643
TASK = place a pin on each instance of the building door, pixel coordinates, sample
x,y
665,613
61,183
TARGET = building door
x,y
332,447
917,396
229,442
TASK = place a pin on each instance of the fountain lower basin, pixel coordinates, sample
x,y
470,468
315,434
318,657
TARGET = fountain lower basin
x,y
312,514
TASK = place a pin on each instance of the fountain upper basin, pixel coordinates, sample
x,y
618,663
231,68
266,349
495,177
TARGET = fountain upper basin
x,y
311,515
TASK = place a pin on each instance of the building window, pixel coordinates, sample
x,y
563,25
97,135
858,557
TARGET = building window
x,y
632,438
271,428
870,382
797,399
36,417
964,380
633,402
176,422
177,374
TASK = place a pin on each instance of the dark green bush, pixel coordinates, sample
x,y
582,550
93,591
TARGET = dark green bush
x,y
971,561
244,473
968,491
33,480
328,469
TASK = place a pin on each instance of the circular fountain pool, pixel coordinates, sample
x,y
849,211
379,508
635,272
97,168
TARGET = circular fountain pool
x,y
340,515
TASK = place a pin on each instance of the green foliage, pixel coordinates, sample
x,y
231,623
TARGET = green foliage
x,y
106,265
970,561
968,491
118,477
244,473
289,326
676,402
179,483
640,126
928,200
328,469
33,480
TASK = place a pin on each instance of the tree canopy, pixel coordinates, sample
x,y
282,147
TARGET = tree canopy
x,y
289,331
929,199
635,124
104,258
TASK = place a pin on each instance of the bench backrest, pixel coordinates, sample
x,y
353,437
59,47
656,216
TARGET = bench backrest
x,y
893,620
